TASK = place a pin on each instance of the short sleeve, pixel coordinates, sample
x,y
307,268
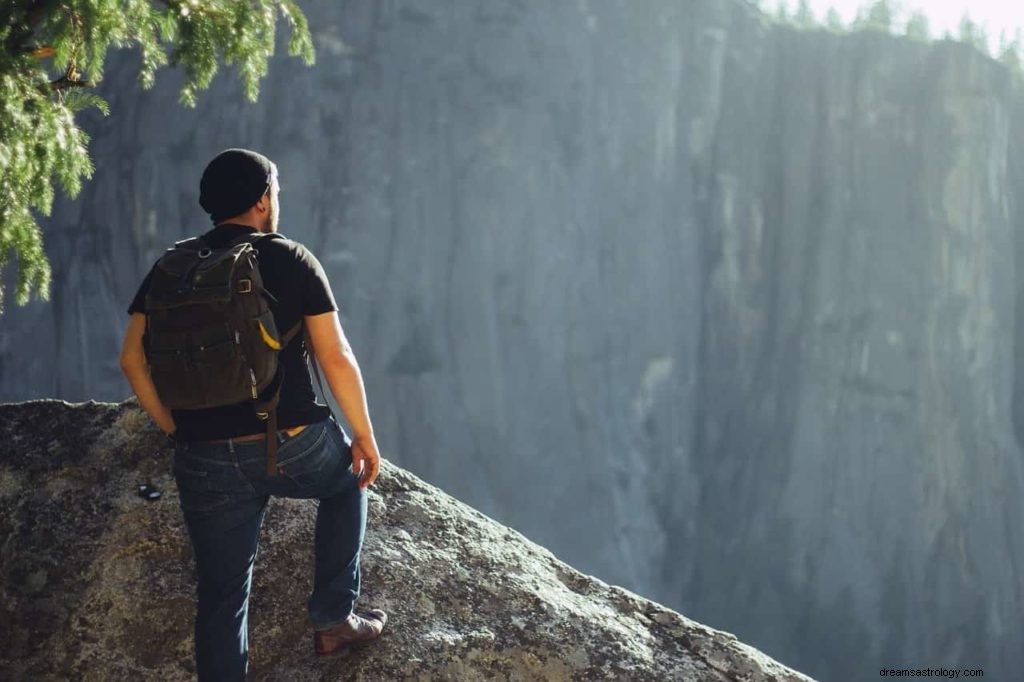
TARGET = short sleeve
x,y
138,304
317,296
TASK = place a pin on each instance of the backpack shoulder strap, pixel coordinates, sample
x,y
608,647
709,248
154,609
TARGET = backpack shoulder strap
x,y
255,237
267,410
196,243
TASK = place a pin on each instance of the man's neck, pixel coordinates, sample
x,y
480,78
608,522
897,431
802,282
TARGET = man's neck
x,y
234,224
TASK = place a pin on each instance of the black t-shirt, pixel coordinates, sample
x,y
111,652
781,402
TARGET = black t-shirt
x,y
293,275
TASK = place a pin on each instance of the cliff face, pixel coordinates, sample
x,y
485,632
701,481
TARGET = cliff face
x,y
97,583
722,313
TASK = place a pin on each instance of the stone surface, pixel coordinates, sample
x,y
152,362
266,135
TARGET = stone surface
x,y
97,584
737,305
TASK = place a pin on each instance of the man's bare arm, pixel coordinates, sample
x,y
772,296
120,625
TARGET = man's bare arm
x,y
136,369
341,371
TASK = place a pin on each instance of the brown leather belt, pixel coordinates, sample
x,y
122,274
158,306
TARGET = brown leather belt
x,y
292,432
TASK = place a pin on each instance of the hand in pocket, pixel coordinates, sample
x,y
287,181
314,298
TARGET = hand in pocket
x,y
365,460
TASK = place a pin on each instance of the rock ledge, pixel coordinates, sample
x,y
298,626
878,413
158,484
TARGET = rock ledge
x,y
96,583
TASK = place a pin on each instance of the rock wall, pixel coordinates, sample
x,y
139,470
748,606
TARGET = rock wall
x,y
720,312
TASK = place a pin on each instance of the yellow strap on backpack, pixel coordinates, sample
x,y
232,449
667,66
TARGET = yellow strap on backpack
x,y
267,338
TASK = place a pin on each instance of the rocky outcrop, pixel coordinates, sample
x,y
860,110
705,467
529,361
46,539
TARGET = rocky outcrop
x,y
96,583
737,304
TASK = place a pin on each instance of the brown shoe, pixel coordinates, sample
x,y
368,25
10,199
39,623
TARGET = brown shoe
x,y
360,629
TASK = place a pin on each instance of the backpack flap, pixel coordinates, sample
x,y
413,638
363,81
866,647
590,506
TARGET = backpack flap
x,y
187,276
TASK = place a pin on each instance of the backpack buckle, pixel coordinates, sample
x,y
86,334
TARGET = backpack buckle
x,y
263,415
244,286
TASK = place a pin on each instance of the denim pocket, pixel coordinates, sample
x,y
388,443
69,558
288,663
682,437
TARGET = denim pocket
x,y
190,476
205,487
306,460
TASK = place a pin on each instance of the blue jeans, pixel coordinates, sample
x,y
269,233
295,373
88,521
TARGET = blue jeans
x,y
223,490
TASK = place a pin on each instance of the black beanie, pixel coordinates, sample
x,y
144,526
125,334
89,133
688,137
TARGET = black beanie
x,y
233,182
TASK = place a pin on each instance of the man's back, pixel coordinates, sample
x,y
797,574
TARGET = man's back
x,y
299,287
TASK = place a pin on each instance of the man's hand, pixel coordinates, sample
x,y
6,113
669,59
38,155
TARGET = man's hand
x,y
136,370
365,460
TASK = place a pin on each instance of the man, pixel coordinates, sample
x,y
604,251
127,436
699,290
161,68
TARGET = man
x,y
219,460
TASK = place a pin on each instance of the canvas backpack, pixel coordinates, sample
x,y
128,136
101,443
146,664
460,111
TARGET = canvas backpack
x,y
210,336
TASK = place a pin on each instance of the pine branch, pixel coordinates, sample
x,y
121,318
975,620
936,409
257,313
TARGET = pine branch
x,y
40,142
41,52
64,83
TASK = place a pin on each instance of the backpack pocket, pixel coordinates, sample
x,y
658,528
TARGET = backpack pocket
x,y
169,370
222,372
197,373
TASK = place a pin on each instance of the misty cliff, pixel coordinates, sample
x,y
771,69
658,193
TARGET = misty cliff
x,y
721,312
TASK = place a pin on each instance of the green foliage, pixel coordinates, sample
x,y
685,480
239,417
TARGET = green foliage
x,y
973,34
53,52
1010,50
804,15
917,26
833,20
879,15
886,15
782,11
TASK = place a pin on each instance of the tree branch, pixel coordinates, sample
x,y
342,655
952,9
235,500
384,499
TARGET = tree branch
x,y
41,52
63,83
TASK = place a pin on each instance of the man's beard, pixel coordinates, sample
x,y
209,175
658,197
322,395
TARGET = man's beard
x,y
271,224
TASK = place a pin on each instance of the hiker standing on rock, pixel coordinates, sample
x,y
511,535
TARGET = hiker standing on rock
x,y
207,355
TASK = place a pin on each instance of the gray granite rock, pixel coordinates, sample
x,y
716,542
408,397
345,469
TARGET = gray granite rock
x,y
96,583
